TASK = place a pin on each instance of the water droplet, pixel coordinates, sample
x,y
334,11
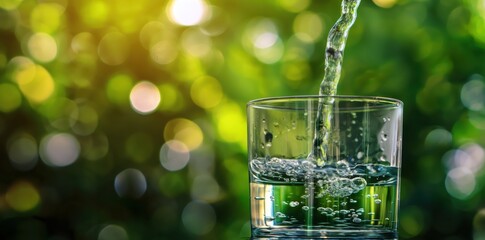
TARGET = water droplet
x,y
294,204
378,201
268,136
306,208
384,136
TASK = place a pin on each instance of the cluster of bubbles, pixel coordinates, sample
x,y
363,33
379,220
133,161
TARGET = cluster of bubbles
x,y
337,181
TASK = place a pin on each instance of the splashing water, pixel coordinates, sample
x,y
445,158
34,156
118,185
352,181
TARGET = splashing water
x,y
334,54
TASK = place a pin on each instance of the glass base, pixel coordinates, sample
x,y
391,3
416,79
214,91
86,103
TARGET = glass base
x,y
292,233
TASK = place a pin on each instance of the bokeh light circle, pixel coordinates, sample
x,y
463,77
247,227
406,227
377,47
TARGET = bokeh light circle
x,y
144,97
205,187
206,92
185,131
42,47
385,3
23,152
130,183
473,94
199,217
34,81
22,196
59,149
187,12
113,49
308,27
113,232
460,183
174,155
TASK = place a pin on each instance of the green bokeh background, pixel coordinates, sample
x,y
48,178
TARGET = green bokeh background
x,y
82,157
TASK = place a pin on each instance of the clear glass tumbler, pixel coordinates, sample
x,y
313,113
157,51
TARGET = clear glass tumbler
x,y
336,179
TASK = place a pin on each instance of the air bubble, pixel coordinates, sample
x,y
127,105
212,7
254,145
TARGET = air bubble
x,y
280,215
358,183
353,201
276,124
259,198
269,218
360,155
343,204
294,204
306,208
375,195
378,201
357,220
387,219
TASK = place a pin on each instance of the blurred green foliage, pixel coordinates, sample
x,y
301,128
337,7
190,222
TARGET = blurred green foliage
x,y
126,119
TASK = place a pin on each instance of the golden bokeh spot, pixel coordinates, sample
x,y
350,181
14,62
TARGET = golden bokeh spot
x,y
230,123
83,42
42,47
385,3
22,196
294,5
95,13
10,98
35,82
206,92
46,17
10,4
308,27
185,131
151,33
113,49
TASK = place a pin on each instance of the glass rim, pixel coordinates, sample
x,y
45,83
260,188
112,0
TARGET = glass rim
x,y
271,102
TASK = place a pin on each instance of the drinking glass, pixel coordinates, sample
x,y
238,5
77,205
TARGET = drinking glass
x,y
350,189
